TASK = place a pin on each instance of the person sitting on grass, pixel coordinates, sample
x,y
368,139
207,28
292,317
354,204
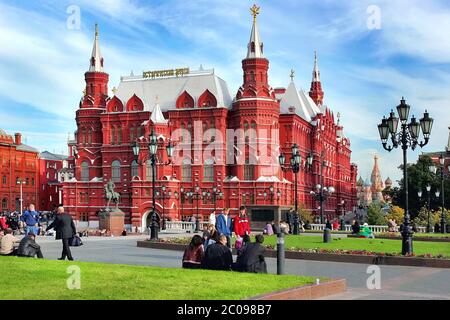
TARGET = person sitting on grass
x,y
268,229
336,225
245,241
355,227
194,254
7,243
218,256
251,258
307,225
29,248
365,232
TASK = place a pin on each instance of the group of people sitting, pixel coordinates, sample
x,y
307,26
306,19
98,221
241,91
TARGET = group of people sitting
x,y
363,231
202,254
213,249
11,246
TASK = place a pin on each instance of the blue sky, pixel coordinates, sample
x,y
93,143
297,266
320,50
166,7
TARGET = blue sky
x,y
364,71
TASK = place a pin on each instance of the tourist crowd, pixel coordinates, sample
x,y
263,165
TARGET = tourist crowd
x,y
213,250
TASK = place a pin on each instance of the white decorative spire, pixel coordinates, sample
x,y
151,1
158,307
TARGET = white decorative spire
x,y
448,144
316,72
255,46
157,116
96,57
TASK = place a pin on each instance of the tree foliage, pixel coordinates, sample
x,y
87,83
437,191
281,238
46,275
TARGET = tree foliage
x,y
375,215
419,176
396,213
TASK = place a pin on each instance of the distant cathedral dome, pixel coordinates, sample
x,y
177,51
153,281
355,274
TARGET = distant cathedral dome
x,y
388,183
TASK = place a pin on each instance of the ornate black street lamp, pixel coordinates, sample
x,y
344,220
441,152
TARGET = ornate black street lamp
x,y
153,150
322,193
216,194
295,163
196,195
163,195
443,176
406,138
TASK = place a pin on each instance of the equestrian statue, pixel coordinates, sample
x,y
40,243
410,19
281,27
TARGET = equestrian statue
x,y
110,194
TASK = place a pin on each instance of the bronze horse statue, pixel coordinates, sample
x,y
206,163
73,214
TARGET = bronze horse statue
x,y
110,194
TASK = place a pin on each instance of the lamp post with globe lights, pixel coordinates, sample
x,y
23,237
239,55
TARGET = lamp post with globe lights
x,y
153,150
407,137
295,163
442,192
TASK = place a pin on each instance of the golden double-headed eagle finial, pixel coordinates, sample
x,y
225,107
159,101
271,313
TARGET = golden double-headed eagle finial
x,y
255,11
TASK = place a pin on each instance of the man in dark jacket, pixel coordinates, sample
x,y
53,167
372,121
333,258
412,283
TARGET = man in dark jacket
x,y
218,256
251,258
65,230
29,248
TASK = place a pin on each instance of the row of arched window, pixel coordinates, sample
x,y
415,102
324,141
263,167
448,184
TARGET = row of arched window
x,y
116,170
85,136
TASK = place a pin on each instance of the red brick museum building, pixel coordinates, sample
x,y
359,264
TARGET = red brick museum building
x,y
223,143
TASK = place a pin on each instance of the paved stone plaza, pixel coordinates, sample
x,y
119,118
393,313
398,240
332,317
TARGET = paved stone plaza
x,y
397,282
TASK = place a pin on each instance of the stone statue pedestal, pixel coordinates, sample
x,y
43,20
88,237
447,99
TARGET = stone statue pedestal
x,y
113,220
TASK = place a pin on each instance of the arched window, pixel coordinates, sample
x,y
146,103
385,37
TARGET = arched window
x,y
249,171
208,170
148,170
115,166
119,135
139,132
89,140
113,135
252,76
83,135
5,204
84,171
187,170
4,180
134,169
183,132
132,136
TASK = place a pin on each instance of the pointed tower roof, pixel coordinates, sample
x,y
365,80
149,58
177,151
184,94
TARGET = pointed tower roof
x,y
316,72
360,181
96,57
292,102
448,143
255,45
157,116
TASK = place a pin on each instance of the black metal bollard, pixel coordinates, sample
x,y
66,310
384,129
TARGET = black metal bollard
x,y
280,253
326,235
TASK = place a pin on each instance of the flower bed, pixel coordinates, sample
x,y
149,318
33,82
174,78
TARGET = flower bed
x,y
186,241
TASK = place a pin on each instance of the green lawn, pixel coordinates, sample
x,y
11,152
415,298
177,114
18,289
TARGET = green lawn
x,y
26,278
373,245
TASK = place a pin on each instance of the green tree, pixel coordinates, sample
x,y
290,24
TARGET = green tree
x,y
305,215
421,218
375,215
396,213
419,176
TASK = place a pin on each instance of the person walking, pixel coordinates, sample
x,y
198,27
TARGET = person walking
x,y
65,229
290,219
29,248
212,218
242,223
224,225
30,218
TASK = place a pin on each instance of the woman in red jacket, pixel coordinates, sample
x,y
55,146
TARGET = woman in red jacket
x,y
242,223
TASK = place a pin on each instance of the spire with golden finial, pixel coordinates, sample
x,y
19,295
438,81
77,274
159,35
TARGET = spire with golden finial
x,y
255,45
255,11
96,57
